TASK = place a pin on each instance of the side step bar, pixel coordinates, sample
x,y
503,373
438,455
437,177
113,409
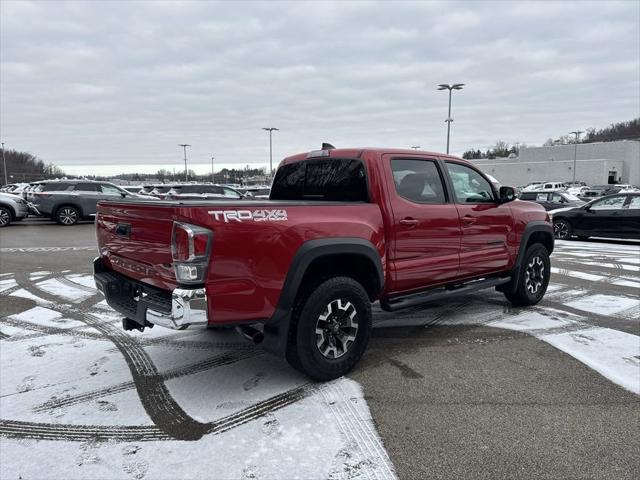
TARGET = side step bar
x,y
414,299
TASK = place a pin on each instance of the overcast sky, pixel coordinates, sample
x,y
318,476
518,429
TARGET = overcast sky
x,y
115,86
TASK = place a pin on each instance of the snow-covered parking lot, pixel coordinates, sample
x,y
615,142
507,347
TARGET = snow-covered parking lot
x,y
81,398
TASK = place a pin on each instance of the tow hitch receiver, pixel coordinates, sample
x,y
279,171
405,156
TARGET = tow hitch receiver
x,y
129,324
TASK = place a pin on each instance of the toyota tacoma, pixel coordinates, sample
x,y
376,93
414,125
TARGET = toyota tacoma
x,y
342,228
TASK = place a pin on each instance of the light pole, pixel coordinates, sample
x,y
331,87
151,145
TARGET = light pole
x,y
575,152
213,180
450,87
184,146
4,162
270,130
415,147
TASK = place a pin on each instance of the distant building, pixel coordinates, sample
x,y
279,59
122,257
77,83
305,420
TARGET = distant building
x,y
597,164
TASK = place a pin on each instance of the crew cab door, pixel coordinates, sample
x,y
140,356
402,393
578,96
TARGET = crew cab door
x,y
485,223
425,228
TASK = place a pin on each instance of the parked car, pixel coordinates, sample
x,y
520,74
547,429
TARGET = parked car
x,y
623,188
596,191
577,191
613,216
161,191
15,188
13,208
195,191
259,193
552,200
343,228
531,186
68,201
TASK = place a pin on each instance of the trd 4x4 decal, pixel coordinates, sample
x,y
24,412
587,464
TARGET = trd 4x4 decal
x,y
277,215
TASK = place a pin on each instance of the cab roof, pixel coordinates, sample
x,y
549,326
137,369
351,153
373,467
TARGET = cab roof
x,y
360,152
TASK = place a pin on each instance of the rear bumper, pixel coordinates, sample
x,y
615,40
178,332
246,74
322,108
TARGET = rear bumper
x,y
146,305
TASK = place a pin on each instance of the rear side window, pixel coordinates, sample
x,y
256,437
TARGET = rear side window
x,y
342,180
418,181
54,187
527,196
85,187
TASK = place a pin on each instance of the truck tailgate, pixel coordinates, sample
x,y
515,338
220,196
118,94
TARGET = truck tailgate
x,y
135,239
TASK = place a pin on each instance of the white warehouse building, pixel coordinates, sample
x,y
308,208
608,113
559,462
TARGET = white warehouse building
x,y
597,164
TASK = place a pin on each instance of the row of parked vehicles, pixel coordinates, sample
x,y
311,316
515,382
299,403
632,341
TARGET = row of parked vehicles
x,y
615,215
69,201
581,211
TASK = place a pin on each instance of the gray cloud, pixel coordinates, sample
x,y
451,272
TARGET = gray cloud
x,y
123,83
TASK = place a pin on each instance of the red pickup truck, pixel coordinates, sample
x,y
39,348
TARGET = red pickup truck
x,y
343,228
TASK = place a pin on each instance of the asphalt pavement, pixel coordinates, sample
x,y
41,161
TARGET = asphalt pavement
x,y
451,394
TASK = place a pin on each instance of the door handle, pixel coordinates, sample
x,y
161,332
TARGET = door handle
x,y
469,220
409,222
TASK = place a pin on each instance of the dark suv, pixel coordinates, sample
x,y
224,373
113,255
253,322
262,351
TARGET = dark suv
x,y
67,201
552,200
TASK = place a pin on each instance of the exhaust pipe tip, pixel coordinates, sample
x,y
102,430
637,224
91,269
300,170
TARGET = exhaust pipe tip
x,y
250,333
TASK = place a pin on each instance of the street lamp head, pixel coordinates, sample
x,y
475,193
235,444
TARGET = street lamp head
x,y
270,129
454,86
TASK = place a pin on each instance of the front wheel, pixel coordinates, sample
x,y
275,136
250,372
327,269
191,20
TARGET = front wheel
x,y
331,326
533,278
562,229
5,217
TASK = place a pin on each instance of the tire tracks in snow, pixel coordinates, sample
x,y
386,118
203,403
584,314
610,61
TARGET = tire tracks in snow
x,y
83,433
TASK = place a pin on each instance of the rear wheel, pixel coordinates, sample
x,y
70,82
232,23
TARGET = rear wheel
x,y
330,330
5,216
562,229
67,215
534,276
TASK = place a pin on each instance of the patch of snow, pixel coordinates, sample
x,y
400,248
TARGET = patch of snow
x,y
22,293
613,354
81,279
604,304
64,290
7,284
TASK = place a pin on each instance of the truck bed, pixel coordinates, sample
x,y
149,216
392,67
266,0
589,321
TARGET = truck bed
x,y
135,236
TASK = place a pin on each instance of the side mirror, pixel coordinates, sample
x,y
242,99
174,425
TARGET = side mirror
x,y
507,194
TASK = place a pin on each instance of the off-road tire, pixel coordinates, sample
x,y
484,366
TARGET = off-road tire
x,y
6,217
533,277
303,351
562,229
67,215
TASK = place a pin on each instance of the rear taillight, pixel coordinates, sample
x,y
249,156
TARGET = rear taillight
x,y
190,249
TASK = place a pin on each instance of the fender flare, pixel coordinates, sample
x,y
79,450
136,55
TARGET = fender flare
x,y
9,207
276,329
529,229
